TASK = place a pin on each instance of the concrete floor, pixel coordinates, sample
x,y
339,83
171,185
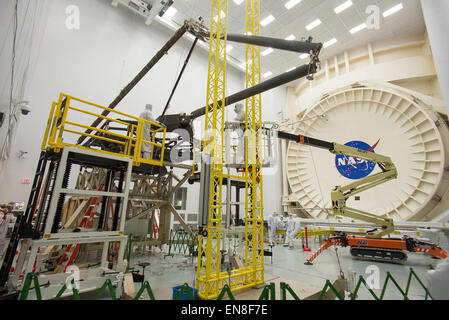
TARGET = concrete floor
x,y
289,263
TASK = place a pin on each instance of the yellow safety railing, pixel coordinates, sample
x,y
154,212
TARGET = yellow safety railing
x,y
70,117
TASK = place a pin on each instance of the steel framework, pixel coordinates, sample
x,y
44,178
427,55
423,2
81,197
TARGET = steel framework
x,y
210,280
208,273
253,162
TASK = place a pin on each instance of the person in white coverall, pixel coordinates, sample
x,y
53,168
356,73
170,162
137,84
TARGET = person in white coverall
x,y
290,227
240,116
147,115
273,223
6,217
439,281
293,230
240,113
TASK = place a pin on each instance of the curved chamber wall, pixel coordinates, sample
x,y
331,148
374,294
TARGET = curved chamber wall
x,y
393,116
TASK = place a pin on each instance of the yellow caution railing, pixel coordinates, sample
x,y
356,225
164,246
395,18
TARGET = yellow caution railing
x,y
70,117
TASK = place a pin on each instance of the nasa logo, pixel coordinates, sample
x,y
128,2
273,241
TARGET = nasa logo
x,y
354,168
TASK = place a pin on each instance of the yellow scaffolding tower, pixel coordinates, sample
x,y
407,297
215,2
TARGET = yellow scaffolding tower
x,y
208,273
253,162
210,280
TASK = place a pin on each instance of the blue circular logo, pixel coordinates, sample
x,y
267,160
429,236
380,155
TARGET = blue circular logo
x,y
354,168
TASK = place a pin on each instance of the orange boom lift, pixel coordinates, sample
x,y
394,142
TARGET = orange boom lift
x,y
368,245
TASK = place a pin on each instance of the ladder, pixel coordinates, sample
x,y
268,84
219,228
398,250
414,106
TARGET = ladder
x,y
72,250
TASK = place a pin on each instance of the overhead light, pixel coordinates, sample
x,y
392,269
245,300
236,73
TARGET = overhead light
x,y
343,6
330,42
169,14
358,28
313,24
395,9
292,3
229,48
266,75
267,21
290,37
267,52
222,15
304,56
238,2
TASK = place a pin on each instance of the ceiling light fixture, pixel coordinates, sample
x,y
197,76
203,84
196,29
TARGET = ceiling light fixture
x,y
313,24
343,6
330,42
267,52
290,37
395,9
267,21
266,75
222,15
292,3
358,28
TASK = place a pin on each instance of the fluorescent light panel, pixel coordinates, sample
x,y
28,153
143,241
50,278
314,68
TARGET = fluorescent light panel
x,y
395,9
313,24
266,75
330,42
343,6
267,52
169,14
222,15
358,28
267,21
292,3
290,37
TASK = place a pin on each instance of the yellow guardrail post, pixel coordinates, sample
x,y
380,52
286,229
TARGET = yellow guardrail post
x,y
132,142
63,120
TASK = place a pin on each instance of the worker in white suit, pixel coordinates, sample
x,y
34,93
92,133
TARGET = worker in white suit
x,y
147,115
273,223
290,227
439,281
6,217
293,229
240,116
240,113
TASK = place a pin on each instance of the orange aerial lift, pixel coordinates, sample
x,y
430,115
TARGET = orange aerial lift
x,y
381,249
368,245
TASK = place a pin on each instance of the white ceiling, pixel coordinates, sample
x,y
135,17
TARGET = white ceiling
x,y
405,23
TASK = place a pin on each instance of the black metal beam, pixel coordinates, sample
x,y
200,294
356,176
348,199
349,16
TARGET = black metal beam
x,y
180,75
306,140
178,34
275,43
272,83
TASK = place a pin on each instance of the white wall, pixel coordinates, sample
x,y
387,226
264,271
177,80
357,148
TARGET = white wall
x,y
435,15
95,63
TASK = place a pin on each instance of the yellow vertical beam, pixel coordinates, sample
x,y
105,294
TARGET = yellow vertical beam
x,y
209,256
253,173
